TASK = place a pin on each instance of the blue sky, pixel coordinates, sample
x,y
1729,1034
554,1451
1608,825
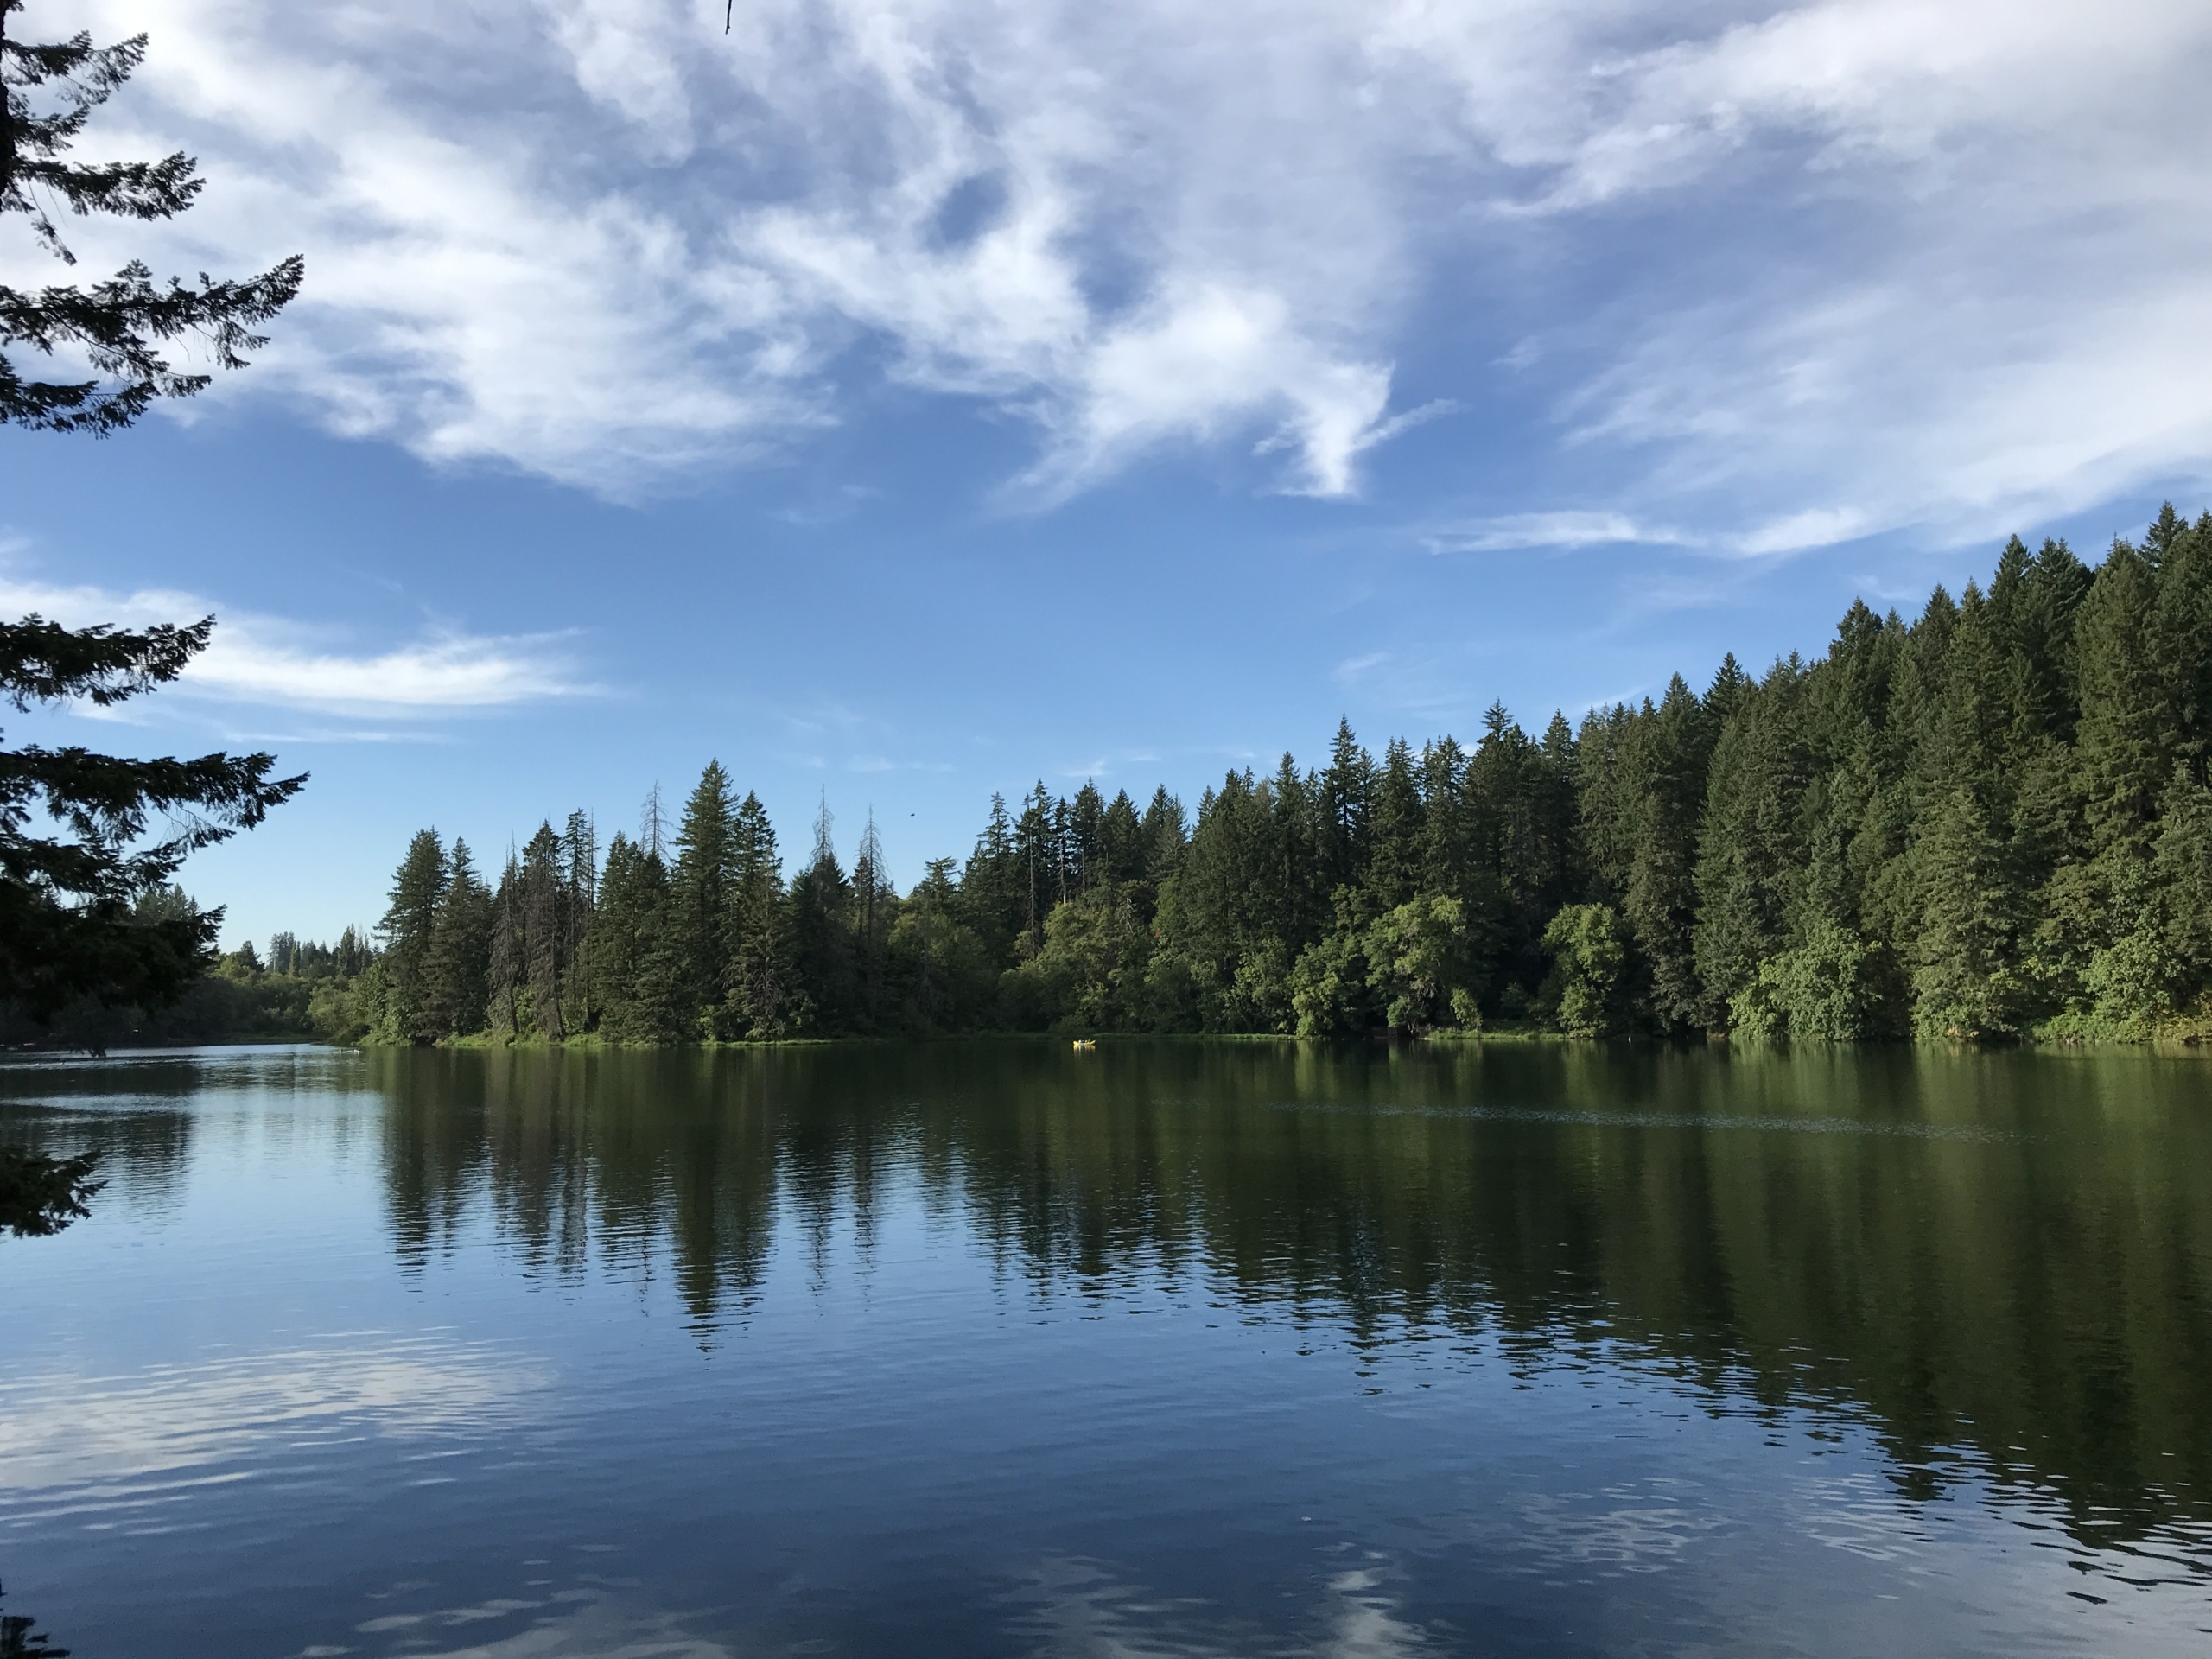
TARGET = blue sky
x,y
903,401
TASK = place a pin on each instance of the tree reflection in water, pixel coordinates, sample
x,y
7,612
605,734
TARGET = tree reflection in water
x,y
2005,1258
20,1638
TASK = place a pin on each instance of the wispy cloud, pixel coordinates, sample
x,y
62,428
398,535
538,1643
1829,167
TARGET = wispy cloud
x,y
1814,527
881,763
1561,530
270,661
1919,264
1353,670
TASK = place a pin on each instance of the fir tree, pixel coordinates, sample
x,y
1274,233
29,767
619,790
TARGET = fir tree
x,y
1664,760
822,929
456,966
1166,836
1967,984
633,961
121,326
1347,800
69,925
579,860
507,966
408,923
545,933
2123,754
762,1002
1397,830
992,899
703,880
1122,839
874,901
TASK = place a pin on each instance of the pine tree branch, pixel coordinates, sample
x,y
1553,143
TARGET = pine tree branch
x,y
44,662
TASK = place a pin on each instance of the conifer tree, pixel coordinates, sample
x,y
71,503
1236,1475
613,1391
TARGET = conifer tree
x,y
545,932
1751,850
1664,762
702,888
579,860
1298,869
76,922
2122,752
2185,631
1121,839
1165,834
1036,854
634,961
507,966
874,899
1086,837
119,327
1346,799
762,1002
821,929
1397,830
69,922
409,922
2184,879
456,967
1974,904
352,955
1967,985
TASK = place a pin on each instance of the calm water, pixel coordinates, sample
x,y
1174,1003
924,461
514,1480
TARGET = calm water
x,y
1166,1348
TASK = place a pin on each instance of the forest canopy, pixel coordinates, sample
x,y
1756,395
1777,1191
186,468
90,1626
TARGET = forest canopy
x,y
1989,822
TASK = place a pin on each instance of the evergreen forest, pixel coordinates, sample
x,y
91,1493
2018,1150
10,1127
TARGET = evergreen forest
x,y
1990,823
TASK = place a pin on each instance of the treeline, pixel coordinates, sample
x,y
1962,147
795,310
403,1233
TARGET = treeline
x,y
1990,823
301,991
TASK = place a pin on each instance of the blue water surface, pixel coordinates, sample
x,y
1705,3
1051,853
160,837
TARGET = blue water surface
x,y
1167,1348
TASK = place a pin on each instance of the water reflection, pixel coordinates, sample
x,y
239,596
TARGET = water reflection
x,y
20,1638
130,1448
1085,1610
2002,1264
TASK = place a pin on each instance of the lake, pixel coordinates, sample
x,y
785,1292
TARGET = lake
x,y
1169,1348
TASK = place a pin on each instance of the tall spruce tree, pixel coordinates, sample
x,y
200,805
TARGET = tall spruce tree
x,y
635,959
457,960
1397,830
762,1002
410,921
1752,847
545,933
579,855
821,908
506,966
874,904
705,873
992,898
1664,760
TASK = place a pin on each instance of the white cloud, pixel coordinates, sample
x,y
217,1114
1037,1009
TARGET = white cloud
x,y
1917,261
1569,529
270,661
1815,527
